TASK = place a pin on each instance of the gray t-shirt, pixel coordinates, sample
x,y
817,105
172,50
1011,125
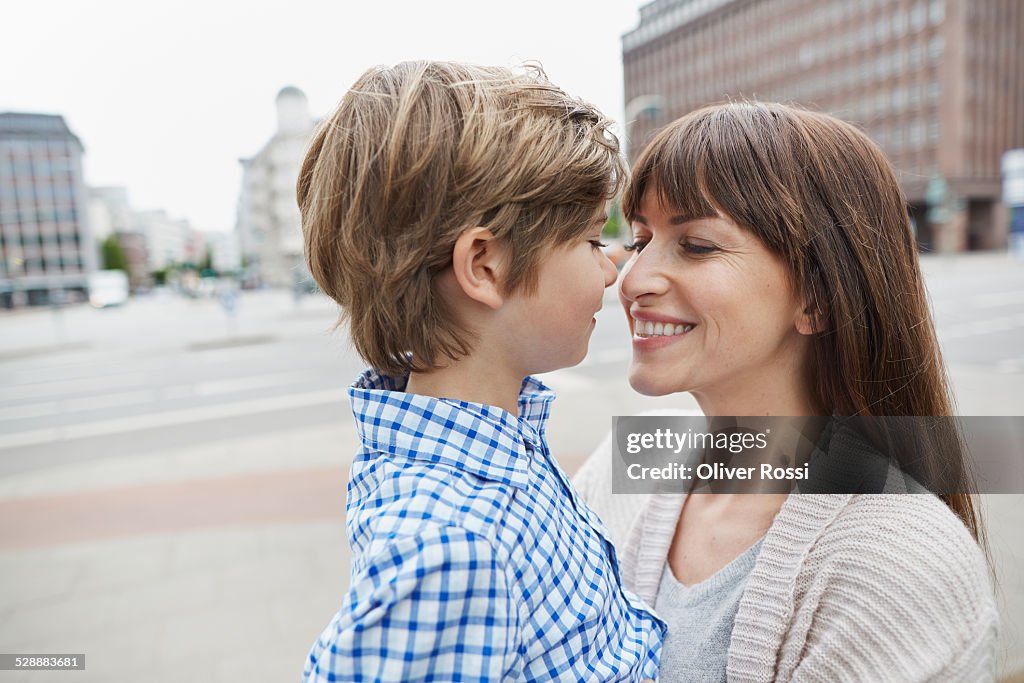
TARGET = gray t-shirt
x,y
700,619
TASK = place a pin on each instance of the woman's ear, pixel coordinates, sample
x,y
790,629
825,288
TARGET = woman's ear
x,y
810,321
478,264
812,318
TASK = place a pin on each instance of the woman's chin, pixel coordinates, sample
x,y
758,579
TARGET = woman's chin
x,y
649,384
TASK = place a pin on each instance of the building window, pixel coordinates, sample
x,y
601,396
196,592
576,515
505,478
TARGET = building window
x,y
896,139
882,30
918,16
915,56
899,99
915,134
899,24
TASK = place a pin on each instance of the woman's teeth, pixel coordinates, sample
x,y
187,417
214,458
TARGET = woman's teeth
x,y
645,328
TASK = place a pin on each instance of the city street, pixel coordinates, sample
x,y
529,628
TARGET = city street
x,y
172,478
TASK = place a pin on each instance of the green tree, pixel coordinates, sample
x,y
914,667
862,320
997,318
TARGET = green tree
x,y
113,254
207,263
613,227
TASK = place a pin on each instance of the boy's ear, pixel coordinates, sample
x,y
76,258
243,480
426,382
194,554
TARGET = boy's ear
x,y
478,263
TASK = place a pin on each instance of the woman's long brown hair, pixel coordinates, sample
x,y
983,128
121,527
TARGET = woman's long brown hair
x,y
822,195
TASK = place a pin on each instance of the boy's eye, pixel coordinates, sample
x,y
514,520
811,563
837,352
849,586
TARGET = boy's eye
x,y
635,245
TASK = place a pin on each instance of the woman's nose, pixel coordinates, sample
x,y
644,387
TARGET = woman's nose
x,y
642,274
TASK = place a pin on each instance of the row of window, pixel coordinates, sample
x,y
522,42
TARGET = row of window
x,y
862,107
59,170
34,215
37,195
896,99
762,25
903,58
895,62
26,146
902,20
915,134
14,266
11,237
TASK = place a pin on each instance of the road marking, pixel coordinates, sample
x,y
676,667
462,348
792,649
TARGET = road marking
x,y
94,401
27,412
137,423
54,389
228,386
104,401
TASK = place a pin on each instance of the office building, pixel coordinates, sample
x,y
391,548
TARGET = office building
x,y
46,246
938,84
268,222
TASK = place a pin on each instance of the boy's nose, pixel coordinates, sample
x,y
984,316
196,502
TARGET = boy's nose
x,y
610,271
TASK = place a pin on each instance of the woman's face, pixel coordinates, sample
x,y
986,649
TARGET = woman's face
x,y
712,312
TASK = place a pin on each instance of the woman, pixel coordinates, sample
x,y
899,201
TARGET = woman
x,y
774,273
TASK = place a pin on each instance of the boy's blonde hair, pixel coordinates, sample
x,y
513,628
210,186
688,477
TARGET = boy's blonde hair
x,y
417,153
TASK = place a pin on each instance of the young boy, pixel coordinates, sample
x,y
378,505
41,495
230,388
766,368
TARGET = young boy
x,y
454,212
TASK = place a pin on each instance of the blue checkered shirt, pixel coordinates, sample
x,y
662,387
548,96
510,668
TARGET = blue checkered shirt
x,y
473,558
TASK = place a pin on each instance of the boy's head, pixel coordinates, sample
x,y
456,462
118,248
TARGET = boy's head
x,y
418,153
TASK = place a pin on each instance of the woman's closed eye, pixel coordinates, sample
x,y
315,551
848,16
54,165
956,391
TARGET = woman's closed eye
x,y
597,244
692,248
698,249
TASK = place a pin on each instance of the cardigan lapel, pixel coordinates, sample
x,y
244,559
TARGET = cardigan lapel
x,y
643,558
766,609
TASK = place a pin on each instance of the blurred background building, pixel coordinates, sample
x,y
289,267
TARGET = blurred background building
x,y
936,83
152,242
268,222
170,241
115,226
46,246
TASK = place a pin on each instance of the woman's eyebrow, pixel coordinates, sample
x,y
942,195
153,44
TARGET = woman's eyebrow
x,y
674,220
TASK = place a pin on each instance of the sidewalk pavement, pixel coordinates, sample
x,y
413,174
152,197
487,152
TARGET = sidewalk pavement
x,y
223,563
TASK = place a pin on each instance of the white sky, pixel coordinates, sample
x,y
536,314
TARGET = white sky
x,y
167,96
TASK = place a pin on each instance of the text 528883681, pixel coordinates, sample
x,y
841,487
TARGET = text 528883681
x,y
41,662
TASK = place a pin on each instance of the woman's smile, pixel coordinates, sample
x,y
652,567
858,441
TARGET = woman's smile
x,y
652,331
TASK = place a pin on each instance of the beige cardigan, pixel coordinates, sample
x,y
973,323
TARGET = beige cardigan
x,y
845,588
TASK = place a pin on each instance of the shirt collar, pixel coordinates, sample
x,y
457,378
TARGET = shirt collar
x,y
486,440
